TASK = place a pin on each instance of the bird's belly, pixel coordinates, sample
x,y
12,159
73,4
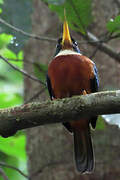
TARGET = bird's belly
x,y
70,76
68,85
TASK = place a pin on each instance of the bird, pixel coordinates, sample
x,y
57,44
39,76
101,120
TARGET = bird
x,y
70,73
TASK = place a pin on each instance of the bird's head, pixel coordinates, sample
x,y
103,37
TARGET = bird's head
x,y
66,42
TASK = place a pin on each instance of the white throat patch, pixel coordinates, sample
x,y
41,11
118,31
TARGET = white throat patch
x,y
67,52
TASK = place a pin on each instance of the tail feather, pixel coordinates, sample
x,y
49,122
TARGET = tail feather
x,y
83,151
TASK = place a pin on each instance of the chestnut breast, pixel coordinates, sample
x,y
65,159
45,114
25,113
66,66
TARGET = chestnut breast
x,y
70,75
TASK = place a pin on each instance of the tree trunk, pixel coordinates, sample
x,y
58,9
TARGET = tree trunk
x,y
50,148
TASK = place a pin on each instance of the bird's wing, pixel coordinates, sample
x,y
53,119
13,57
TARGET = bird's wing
x,y
94,83
51,93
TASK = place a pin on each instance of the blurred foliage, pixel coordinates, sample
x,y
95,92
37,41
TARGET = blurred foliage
x,y
4,40
12,150
1,2
11,145
78,12
17,13
11,81
113,25
11,94
100,123
11,160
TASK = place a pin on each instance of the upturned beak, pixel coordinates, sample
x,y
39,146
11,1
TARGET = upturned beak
x,y
66,39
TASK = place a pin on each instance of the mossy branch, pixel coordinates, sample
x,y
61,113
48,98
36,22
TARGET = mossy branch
x,y
61,110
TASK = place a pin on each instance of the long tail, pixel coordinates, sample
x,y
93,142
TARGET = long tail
x,y
84,157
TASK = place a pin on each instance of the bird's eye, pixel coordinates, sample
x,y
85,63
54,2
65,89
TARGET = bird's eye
x,y
75,43
75,47
58,48
57,45
60,41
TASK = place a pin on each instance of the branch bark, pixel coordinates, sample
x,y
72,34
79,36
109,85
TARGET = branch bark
x,y
103,47
61,110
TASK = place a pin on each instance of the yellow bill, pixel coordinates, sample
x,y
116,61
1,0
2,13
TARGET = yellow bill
x,y
66,34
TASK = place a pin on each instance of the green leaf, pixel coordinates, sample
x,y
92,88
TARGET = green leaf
x,y
40,71
100,123
78,12
7,53
12,174
20,55
17,162
14,146
12,75
114,25
1,1
0,10
5,39
10,99
18,63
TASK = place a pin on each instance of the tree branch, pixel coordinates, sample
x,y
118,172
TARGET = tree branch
x,y
22,71
14,168
2,173
94,41
61,110
34,36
